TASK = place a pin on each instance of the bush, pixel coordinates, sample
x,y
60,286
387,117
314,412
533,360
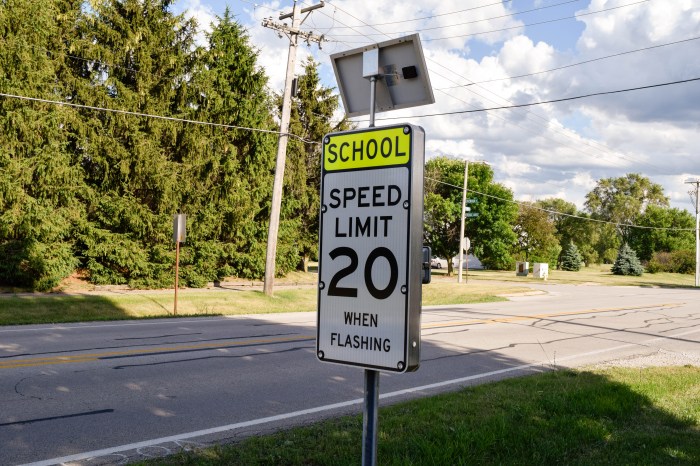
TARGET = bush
x,y
627,262
35,265
681,261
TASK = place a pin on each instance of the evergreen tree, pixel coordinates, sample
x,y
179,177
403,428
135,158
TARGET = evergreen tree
x,y
571,258
40,174
313,109
627,262
132,163
229,171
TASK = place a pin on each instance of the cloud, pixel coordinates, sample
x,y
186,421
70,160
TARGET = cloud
x,y
542,151
204,15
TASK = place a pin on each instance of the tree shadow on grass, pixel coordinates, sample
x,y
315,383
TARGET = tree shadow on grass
x,y
69,308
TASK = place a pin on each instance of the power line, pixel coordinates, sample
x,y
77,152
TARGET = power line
x,y
530,205
531,104
574,64
433,16
454,97
520,26
461,24
150,115
546,125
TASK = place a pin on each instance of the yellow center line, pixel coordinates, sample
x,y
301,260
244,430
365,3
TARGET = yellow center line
x,y
90,357
135,352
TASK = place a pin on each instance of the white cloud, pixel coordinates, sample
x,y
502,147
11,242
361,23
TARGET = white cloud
x,y
547,150
204,15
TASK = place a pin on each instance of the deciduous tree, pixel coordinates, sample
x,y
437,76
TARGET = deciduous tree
x,y
535,236
623,200
490,232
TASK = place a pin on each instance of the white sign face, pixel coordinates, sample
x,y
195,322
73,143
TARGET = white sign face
x,y
369,300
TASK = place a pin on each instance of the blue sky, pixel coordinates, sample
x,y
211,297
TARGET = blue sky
x,y
549,150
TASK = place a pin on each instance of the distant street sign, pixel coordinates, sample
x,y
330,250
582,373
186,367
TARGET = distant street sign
x,y
471,201
471,214
179,228
370,253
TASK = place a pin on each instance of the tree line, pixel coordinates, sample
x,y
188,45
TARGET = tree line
x,y
625,213
89,190
94,190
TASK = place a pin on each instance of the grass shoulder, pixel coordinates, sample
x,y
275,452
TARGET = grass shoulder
x,y
293,294
597,274
612,416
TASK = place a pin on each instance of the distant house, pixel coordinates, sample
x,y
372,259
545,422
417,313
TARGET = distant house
x,y
472,262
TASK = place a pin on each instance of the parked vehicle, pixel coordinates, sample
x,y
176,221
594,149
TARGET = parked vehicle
x,y
437,263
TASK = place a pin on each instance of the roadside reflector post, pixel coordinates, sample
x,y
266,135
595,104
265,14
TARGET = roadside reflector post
x,y
179,235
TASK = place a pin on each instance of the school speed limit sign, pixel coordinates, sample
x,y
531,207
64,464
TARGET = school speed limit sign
x,y
370,248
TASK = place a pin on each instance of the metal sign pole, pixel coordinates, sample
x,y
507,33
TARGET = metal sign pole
x,y
177,272
370,418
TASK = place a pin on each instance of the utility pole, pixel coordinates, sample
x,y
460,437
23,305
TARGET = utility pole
x,y
695,198
293,33
462,243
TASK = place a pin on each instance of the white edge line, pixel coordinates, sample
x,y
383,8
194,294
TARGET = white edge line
x,y
318,409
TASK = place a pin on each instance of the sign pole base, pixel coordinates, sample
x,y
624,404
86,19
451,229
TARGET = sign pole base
x,y
370,419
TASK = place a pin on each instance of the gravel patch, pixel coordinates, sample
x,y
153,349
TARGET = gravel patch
x,y
661,358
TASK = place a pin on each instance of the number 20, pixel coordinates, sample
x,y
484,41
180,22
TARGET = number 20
x,y
335,290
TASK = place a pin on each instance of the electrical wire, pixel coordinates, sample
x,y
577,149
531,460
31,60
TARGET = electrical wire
x,y
530,205
565,99
514,27
465,23
528,111
574,64
575,148
157,117
434,16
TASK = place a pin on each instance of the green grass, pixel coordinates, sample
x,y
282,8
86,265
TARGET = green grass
x,y
295,292
596,274
34,309
446,291
616,416
54,308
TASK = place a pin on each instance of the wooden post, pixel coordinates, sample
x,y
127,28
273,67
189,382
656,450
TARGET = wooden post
x,y
177,273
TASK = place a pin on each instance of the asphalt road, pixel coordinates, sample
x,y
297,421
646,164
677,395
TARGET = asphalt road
x,y
109,393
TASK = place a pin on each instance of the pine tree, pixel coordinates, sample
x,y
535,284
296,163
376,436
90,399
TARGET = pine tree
x,y
40,176
571,258
131,163
229,171
627,262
